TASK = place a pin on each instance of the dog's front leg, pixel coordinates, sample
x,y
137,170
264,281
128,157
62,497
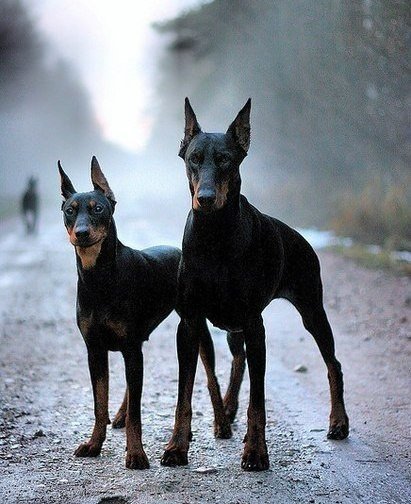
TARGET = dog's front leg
x,y
98,366
255,456
136,457
187,351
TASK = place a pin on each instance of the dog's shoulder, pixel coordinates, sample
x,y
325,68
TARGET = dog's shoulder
x,y
261,223
274,226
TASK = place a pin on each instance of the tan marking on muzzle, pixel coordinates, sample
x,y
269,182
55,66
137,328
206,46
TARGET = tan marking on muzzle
x,y
89,255
70,231
96,235
196,204
221,195
222,191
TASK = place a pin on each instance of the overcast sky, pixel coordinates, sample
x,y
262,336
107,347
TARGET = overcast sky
x,y
114,50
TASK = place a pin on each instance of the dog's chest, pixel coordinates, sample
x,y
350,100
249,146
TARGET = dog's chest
x,y
104,327
218,291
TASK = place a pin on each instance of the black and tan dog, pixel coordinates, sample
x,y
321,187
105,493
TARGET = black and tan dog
x,y
122,296
235,261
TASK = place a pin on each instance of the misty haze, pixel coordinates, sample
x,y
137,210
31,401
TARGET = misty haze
x,y
330,114
330,153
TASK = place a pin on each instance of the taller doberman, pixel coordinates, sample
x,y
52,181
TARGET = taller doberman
x,y
122,296
235,261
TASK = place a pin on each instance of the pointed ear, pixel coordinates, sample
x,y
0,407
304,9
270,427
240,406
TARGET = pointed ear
x,y
67,189
99,180
239,129
192,128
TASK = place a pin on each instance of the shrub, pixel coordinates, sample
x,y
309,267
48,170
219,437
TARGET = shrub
x,y
380,214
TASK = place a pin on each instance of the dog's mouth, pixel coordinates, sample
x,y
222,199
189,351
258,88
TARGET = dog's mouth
x,y
207,203
205,209
86,243
209,207
93,237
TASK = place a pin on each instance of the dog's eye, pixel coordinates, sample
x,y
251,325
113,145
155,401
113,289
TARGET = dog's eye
x,y
69,210
223,159
194,158
98,209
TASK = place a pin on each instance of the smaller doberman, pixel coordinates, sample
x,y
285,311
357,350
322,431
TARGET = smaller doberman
x,y
235,261
30,206
122,296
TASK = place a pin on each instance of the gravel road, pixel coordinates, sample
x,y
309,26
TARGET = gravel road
x,y
46,400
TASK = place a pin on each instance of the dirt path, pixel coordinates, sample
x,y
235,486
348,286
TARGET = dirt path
x,y
46,405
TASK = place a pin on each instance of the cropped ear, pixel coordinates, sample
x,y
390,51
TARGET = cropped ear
x,y
67,189
100,182
239,129
192,128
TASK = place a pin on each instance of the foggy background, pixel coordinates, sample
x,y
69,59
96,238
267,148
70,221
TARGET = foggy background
x,y
329,82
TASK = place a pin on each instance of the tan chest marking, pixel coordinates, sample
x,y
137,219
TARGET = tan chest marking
x,y
118,328
88,255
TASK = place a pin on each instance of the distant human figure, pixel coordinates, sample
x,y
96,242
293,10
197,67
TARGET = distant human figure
x,y
30,206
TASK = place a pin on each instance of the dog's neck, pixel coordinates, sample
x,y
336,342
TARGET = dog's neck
x,y
96,263
215,229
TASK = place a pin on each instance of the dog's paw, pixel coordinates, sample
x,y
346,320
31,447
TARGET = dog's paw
x,y
88,449
137,460
119,421
339,429
223,431
174,457
255,460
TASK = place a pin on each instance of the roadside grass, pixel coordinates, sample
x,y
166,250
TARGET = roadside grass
x,y
381,259
378,220
379,215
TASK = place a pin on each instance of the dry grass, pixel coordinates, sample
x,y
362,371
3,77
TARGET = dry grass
x,y
380,214
382,259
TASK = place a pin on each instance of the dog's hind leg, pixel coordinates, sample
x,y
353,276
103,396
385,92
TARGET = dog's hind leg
x,y
305,292
236,345
120,419
222,427
316,322
309,302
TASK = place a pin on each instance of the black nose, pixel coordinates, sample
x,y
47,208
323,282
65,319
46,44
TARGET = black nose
x,y
206,197
82,232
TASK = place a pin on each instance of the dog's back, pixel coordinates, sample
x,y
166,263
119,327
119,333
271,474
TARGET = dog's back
x,y
146,285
